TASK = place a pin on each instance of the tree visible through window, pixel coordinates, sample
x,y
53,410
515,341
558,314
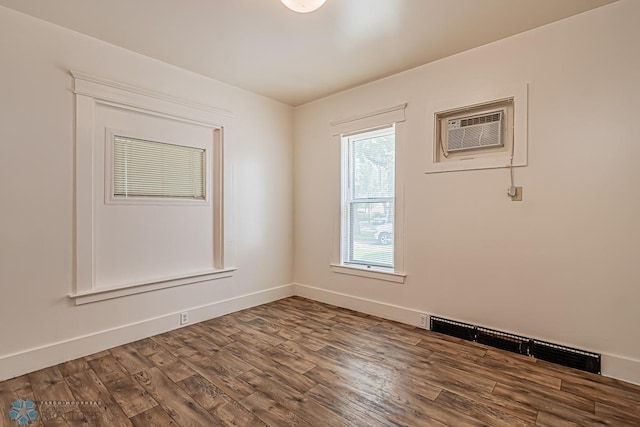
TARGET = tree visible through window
x,y
368,198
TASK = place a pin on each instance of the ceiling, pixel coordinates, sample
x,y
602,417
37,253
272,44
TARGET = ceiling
x,y
262,46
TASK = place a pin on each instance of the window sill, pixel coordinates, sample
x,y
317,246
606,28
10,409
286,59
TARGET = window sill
x,y
387,276
95,295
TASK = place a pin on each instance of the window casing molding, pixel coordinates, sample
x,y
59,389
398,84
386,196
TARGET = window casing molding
x,y
91,92
362,123
361,271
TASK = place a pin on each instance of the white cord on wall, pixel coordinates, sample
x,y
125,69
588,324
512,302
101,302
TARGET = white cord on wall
x,y
512,189
511,192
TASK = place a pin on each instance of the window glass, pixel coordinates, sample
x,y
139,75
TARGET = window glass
x,y
369,198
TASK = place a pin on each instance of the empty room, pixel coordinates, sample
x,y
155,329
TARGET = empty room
x,y
319,213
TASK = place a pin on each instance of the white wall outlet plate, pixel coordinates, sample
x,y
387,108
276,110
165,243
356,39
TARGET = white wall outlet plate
x,y
424,321
184,318
517,197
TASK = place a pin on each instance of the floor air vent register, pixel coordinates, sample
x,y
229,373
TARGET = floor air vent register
x,y
562,355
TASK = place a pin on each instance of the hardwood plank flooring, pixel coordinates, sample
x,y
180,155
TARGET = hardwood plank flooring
x,y
297,362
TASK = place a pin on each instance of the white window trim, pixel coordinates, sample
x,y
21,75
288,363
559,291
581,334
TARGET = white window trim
x,y
388,275
362,123
91,91
148,286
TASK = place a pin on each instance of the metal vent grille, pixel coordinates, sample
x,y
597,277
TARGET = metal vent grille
x,y
503,340
474,132
452,328
554,353
566,356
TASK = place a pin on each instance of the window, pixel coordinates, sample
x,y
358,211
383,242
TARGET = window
x,y
153,169
152,192
368,215
368,198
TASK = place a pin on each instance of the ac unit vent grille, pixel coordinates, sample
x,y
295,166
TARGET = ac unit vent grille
x,y
554,353
469,133
479,120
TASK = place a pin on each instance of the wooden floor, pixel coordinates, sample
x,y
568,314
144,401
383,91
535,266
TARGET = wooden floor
x,y
297,362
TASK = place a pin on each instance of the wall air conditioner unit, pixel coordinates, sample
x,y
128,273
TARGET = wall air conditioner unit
x,y
479,136
474,131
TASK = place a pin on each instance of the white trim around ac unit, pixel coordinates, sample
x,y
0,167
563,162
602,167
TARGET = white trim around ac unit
x,y
520,95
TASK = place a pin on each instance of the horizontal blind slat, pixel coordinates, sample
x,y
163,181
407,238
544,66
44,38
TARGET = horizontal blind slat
x,y
149,168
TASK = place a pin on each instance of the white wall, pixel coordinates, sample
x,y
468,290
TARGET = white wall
x,y
37,198
563,264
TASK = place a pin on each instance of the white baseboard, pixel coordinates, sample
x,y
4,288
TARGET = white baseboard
x,y
363,305
16,364
613,366
621,368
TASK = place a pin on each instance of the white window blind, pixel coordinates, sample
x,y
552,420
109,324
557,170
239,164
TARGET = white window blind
x,y
368,211
154,169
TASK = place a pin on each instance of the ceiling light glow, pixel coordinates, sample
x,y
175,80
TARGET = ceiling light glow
x,y
303,6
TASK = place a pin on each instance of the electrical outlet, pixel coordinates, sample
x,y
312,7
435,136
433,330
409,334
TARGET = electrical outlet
x,y
424,321
184,318
517,197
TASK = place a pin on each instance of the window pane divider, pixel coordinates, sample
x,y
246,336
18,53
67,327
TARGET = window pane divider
x,y
373,200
